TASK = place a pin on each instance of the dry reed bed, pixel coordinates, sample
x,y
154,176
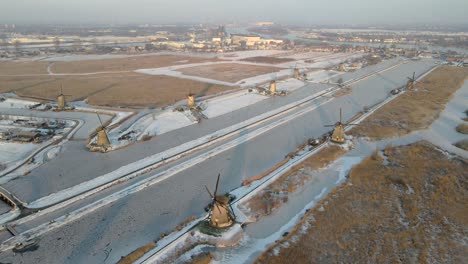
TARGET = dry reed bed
x,y
416,109
407,204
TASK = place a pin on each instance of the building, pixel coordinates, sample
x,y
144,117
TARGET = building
x,y
262,24
247,40
27,136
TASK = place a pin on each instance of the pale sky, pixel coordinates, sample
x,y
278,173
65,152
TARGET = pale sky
x,y
223,11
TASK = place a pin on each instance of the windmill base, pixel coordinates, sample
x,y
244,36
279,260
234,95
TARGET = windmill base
x,y
66,108
97,148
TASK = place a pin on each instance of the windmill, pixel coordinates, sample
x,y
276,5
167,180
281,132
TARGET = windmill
x,y
338,135
61,102
102,138
411,82
221,214
296,73
190,99
273,85
341,67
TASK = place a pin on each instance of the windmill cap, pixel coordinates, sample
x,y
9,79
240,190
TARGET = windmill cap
x,y
222,199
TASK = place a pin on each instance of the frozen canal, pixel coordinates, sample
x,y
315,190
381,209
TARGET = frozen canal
x,y
116,229
261,234
66,170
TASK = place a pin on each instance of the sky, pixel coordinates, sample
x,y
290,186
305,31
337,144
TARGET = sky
x,y
433,12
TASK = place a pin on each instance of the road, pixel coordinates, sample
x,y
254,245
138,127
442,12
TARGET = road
x,y
118,228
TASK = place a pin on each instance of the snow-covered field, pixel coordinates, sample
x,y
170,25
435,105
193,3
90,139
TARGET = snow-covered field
x,y
252,81
156,124
13,155
228,103
321,75
16,103
289,85
324,61
119,115
11,152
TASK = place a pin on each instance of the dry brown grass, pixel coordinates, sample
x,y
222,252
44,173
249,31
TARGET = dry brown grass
x,y
462,128
124,64
18,83
410,208
153,91
275,194
23,67
228,72
414,110
136,254
125,89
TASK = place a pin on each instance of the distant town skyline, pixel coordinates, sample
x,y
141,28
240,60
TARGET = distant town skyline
x,y
433,12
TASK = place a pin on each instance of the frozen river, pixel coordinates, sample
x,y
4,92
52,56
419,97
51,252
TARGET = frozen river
x,y
139,218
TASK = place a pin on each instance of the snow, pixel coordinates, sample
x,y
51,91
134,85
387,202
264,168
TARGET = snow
x,y
16,103
289,85
228,103
133,169
69,227
321,76
11,152
324,61
9,216
259,235
119,115
14,155
158,124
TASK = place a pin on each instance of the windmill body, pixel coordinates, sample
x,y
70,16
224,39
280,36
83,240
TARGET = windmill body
x,y
102,138
297,74
273,87
341,67
410,85
338,135
221,214
102,142
411,82
191,100
61,101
